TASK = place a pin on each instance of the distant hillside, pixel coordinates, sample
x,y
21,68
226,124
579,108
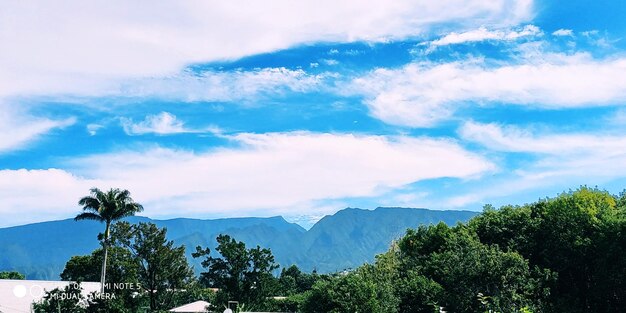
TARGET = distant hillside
x,y
41,250
346,239
351,237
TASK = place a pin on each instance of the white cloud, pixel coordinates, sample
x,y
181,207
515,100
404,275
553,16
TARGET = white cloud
x,y
563,32
238,85
272,172
40,195
164,123
482,34
422,94
18,128
224,86
557,159
513,139
330,62
49,51
92,129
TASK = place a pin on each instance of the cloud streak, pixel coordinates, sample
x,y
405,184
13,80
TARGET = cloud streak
x,y
275,172
423,94
52,52
514,139
557,159
18,128
483,34
163,123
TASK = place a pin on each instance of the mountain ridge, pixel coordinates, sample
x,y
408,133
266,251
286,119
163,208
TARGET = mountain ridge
x,y
342,240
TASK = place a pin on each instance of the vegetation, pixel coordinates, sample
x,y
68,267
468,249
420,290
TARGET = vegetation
x,y
107,207
240,273
162,268
564,254
11,275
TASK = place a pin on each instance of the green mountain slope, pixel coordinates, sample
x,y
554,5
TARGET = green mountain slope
x,y
351,237
343,240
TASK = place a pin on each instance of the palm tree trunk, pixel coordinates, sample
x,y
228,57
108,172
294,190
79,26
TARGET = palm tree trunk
x,y
104,260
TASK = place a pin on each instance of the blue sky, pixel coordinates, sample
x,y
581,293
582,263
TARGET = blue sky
x,y
211,109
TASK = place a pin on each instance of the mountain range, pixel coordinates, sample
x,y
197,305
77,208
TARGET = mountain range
x,y
346,239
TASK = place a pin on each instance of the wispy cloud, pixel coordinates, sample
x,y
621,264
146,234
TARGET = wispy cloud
x,y
483,33
422,94
225,86
190,86
18,128
106,42
556,160
92,129
514,139
275,172
163,123
563,32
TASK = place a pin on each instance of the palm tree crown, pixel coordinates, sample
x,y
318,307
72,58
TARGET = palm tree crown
x,y
109,206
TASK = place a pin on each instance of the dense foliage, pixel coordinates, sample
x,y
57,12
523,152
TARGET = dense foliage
x,y
239,273
565,254
11,275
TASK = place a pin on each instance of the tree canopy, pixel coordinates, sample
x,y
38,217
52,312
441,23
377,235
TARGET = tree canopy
x,y
241,274
12,275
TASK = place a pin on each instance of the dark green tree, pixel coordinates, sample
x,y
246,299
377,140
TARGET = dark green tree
x,y
107,207
122,266
455,264
162,269
241,274
578,235
352,292
293,281
122,269
12,275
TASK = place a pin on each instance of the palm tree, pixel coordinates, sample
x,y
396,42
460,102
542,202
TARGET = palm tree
x,y
107,207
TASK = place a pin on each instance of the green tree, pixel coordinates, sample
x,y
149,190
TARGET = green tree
x,y
12,275
456,266
293,281
162,269
82,268
418,293
579,235
352,292
122,266
107,207
241,274
472,268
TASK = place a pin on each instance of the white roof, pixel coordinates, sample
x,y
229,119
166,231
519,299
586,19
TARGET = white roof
x,y
16,296
194,307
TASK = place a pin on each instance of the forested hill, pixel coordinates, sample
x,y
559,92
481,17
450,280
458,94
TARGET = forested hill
x,y
343,240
